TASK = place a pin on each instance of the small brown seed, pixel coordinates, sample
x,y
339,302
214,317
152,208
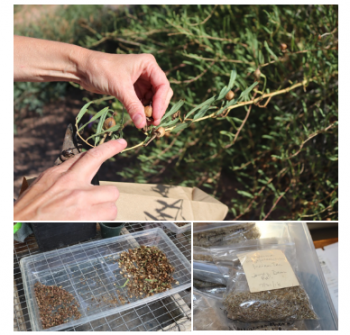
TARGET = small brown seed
x,y
230,95
148,111
110,122
283,46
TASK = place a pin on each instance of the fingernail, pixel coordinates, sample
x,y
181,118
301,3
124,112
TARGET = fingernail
x,y
138,120
121,141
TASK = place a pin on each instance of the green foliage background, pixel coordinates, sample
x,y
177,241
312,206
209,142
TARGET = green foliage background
x,y
285,157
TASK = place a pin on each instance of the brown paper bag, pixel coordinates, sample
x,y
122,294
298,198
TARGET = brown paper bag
x,y
156,202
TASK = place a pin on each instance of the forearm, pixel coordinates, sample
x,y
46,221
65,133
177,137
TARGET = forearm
x,y
38,60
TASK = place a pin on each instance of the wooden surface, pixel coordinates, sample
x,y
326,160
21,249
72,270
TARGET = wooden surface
x,y
322,243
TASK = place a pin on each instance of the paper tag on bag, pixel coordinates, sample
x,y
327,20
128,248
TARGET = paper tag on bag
x,y
267,270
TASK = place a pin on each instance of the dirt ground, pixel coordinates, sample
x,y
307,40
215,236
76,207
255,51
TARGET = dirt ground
x,y
39,139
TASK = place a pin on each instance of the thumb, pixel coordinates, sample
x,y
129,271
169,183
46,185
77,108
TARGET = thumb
x,y
89,162
133,105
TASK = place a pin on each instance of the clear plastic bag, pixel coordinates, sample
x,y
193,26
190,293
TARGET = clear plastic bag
x,y
202,254
281,305
208,278
220,234
208,312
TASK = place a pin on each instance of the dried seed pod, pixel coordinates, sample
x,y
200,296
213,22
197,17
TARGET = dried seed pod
x,y
257,74
148,111
175,115
109,123
160,132
230,95
283,47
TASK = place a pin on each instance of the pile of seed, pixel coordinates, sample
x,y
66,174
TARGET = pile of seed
x,y
148,271
290,303
181,224
56,305
299,325
226,235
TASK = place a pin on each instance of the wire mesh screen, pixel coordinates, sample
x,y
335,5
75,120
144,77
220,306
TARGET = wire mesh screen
x,y
169,313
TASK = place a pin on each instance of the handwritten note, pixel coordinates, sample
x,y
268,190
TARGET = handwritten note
x,y
267,270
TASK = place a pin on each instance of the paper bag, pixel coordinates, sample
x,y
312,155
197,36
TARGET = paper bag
x,y
152,202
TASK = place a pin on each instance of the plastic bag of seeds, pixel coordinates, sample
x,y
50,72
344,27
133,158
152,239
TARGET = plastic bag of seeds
x,y
219,234
208,313
201,254
277,325
269,303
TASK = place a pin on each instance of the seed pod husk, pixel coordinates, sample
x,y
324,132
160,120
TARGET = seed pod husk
x,y
230,95
160,132
175,115
109,122
257,74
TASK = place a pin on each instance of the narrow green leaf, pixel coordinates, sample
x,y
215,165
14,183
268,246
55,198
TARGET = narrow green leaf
x,y
95,117
269,137
109,130
245,93
83,111
207,102
232,78
169,124
202,111
270,51
222,93
100,125
173,109
245,194
181,126
227,133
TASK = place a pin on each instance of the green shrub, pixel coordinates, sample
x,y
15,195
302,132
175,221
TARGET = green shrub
x,y
277,161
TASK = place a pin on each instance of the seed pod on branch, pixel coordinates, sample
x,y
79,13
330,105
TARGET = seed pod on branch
x,y
283,47
230,95
157,133
109,123
257,74
148,111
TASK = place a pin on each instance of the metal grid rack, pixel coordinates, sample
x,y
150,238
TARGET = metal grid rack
x,y
172,313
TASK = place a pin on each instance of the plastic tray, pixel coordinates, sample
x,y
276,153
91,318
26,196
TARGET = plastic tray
x,y
90,270
175,228
309,270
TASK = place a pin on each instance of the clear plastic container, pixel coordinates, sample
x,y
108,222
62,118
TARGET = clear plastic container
x,y
311,276
309,271
172,226
90,272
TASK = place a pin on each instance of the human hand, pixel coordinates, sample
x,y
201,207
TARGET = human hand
x,y
132,79
65,193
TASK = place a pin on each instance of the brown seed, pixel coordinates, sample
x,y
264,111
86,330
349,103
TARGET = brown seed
x,y
160,132
230,95
109,123
148,111
257,74
283,46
